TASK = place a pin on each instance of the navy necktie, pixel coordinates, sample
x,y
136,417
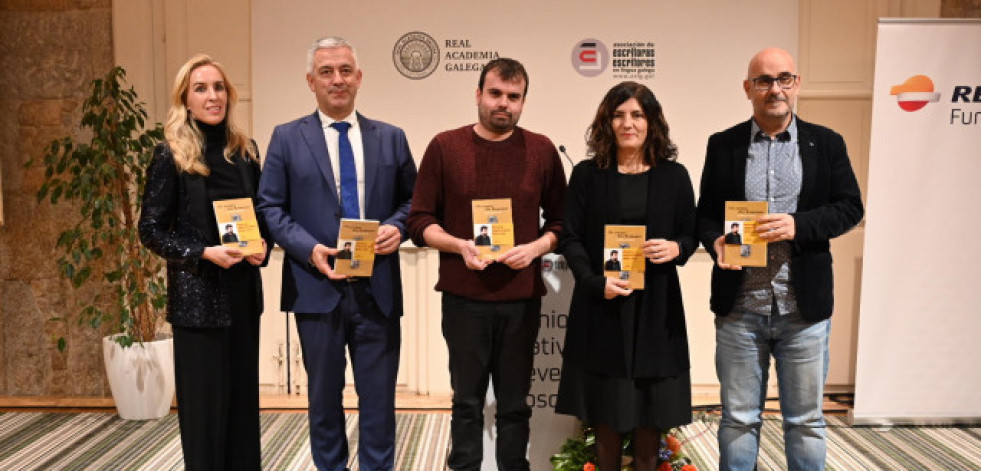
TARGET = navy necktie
x,y
349,174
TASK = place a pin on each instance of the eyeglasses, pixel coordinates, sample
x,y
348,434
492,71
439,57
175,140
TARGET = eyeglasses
x,y
765,82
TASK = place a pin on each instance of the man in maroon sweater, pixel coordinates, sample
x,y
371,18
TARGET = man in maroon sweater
x,y
491,309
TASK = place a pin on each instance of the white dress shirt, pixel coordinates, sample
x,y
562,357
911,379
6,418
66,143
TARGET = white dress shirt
x,y
354,135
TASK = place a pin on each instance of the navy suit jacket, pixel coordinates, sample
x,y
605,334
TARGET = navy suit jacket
x,y
829,205
298,198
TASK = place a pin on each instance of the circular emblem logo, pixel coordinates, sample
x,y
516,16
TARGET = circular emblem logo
x,y
416,55
590,57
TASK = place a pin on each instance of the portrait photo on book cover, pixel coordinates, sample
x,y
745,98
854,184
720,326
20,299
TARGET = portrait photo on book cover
x,y
612,260
229,232
734,234
482,234
345,249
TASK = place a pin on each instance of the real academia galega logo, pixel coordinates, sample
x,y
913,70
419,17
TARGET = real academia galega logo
x,y
416,55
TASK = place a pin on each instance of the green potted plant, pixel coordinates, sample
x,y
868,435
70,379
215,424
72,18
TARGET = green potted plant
x,y
101,170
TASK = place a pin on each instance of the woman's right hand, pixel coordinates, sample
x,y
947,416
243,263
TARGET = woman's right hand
x,y
616,288
222,256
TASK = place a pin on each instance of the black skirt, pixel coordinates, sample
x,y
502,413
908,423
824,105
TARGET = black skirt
x,y
625,403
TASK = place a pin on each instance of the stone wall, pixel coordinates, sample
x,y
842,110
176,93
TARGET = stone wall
x,y
49,52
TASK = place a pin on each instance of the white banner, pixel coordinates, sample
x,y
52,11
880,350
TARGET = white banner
x,y
918,343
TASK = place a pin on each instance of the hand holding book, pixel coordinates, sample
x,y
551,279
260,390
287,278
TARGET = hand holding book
x,y
318,258
256,259
743,244
616,287
522,255
388,240
222,255
661,250
719,246
776,227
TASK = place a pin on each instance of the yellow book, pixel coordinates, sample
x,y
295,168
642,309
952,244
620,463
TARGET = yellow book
x,y
356,247
623,254
742,246
237,225
493,230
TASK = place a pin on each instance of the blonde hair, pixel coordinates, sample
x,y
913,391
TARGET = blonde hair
x,y
181,132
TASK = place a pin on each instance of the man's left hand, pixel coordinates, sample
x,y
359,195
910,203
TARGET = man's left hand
x,y
388,240
520,256
776,227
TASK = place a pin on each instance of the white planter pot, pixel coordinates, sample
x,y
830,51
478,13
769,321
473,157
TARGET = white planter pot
x,y
141,377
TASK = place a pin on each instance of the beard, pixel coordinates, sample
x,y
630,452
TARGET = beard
x,y
779,111
498,121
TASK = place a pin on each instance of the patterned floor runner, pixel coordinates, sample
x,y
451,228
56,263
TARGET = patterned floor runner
x,y
102,441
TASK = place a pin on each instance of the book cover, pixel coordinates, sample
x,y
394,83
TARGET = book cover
x,y
623,253
237,225
356,247
493,230
742,246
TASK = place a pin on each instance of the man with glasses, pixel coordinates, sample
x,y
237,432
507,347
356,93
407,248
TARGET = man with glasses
x,y
781,310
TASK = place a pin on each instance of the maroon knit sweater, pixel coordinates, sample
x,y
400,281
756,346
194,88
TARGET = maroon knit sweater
x,y
458,167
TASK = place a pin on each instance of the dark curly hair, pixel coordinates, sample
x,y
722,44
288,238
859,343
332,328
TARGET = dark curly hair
x,y
601,140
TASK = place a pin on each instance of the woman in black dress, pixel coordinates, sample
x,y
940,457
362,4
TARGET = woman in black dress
x,y
214,291
625,366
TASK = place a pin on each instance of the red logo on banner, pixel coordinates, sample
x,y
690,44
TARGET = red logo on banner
x,y
590,57
915,93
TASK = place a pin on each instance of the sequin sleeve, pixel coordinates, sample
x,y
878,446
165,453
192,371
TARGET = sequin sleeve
x,y
159,227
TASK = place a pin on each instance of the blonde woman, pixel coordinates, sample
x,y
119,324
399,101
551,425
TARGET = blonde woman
x,y
214,292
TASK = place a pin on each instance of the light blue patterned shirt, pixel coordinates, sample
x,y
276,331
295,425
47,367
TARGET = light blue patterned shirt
x,y
773,174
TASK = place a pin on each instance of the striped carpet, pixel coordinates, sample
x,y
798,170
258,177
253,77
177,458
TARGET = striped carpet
x,y
852,448
101,441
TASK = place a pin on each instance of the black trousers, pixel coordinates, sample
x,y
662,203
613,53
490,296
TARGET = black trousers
x,y
490,341
217,379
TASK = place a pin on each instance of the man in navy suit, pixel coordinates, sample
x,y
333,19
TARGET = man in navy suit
x,y
781,310
331,164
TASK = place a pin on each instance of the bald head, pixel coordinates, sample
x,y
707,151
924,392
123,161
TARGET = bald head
x,y
772,85
771,56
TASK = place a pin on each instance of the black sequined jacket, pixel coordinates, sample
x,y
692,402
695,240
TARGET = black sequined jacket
x,y
176,213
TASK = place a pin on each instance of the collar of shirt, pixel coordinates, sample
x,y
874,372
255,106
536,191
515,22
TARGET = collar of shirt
x,y
788,135
326,121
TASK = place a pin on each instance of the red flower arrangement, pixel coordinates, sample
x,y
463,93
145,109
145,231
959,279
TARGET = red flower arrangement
x,y
579,454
